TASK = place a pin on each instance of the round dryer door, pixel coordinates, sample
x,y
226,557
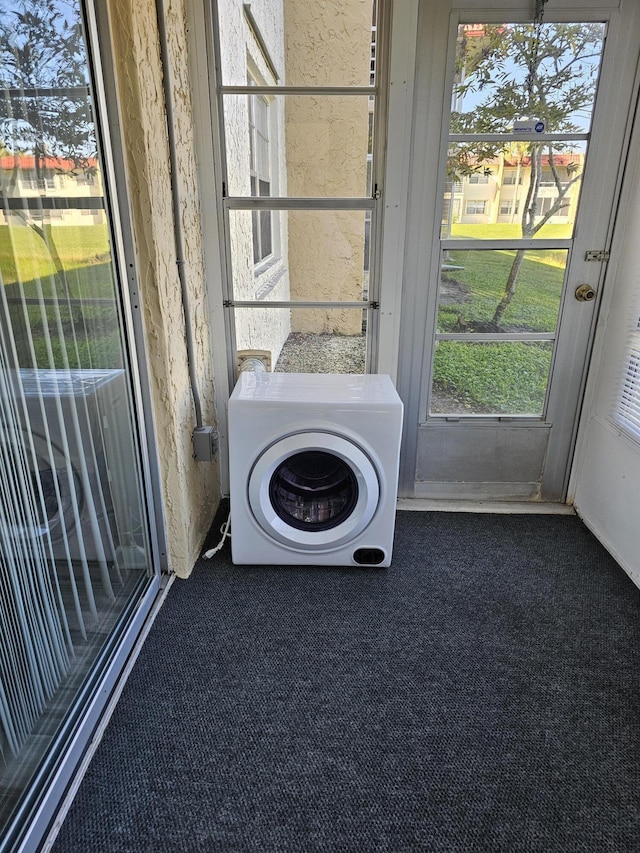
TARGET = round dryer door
x,y
313,490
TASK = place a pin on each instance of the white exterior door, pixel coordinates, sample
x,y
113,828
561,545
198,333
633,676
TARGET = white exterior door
x,y
518,141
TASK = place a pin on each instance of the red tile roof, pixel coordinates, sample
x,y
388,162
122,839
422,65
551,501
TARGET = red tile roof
x,y
28,161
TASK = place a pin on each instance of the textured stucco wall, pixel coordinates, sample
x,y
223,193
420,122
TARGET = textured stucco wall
x,y
327,43
190,490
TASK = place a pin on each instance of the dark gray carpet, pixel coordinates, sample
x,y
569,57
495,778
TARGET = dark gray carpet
x,y
482,694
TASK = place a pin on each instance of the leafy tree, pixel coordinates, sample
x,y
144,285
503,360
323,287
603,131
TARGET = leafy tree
x,y
45,110
45,116
508,72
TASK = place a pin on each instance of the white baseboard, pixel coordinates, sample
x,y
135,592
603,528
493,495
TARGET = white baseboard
x,y
504,507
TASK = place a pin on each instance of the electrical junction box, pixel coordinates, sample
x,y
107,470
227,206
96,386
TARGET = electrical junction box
x,y
205,443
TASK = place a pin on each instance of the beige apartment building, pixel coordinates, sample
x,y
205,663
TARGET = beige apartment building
x,y
497,191
71,194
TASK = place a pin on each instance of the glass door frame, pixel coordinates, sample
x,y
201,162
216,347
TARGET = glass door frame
x,y
433,105
43,806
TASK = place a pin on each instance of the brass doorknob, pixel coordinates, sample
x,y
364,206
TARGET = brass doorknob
x,y
585,293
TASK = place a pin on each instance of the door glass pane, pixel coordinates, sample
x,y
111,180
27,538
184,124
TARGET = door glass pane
x,y
309,145
512,83
512,189
298,43
509,72
490,378
303,340
75,552
507,292
318,255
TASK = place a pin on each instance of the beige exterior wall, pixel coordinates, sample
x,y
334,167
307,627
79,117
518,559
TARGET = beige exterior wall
x,y
326,147
190,489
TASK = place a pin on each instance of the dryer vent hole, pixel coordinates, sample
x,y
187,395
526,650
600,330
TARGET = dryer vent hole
x,y
368,556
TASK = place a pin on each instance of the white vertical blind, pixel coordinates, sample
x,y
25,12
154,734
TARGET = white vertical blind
x,y
50,495
65,430
34,654
627,406
70,512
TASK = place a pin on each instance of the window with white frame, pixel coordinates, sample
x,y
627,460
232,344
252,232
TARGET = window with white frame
x,y
507,207
479,178
260,174
476,208
511,177
547,202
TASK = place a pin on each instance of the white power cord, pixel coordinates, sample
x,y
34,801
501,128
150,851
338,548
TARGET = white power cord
x,y
226,532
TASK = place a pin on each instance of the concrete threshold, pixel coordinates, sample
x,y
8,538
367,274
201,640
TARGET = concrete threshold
x,y
504,507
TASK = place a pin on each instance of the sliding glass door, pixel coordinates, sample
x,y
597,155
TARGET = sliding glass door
x,y
74,538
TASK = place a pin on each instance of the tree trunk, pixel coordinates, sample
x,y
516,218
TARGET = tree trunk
x,y
529,228
510,287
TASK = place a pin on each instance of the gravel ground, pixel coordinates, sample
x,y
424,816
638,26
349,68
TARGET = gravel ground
x,y
305,352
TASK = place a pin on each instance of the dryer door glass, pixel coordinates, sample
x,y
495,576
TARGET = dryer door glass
x,y
313,490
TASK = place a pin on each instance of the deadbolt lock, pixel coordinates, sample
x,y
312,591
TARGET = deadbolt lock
x,y
585,293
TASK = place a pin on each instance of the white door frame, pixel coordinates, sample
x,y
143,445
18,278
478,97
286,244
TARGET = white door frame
x,y
421,262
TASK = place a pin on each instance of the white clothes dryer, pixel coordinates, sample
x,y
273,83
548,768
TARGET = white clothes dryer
x,y
313,462
76,433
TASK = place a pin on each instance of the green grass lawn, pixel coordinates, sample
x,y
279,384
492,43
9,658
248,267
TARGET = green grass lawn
x,y
24,255
507,377
509,231
492,378
477,287
85,335
500,378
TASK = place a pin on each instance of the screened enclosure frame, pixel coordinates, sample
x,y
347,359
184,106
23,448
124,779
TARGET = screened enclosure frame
x,y
226,203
